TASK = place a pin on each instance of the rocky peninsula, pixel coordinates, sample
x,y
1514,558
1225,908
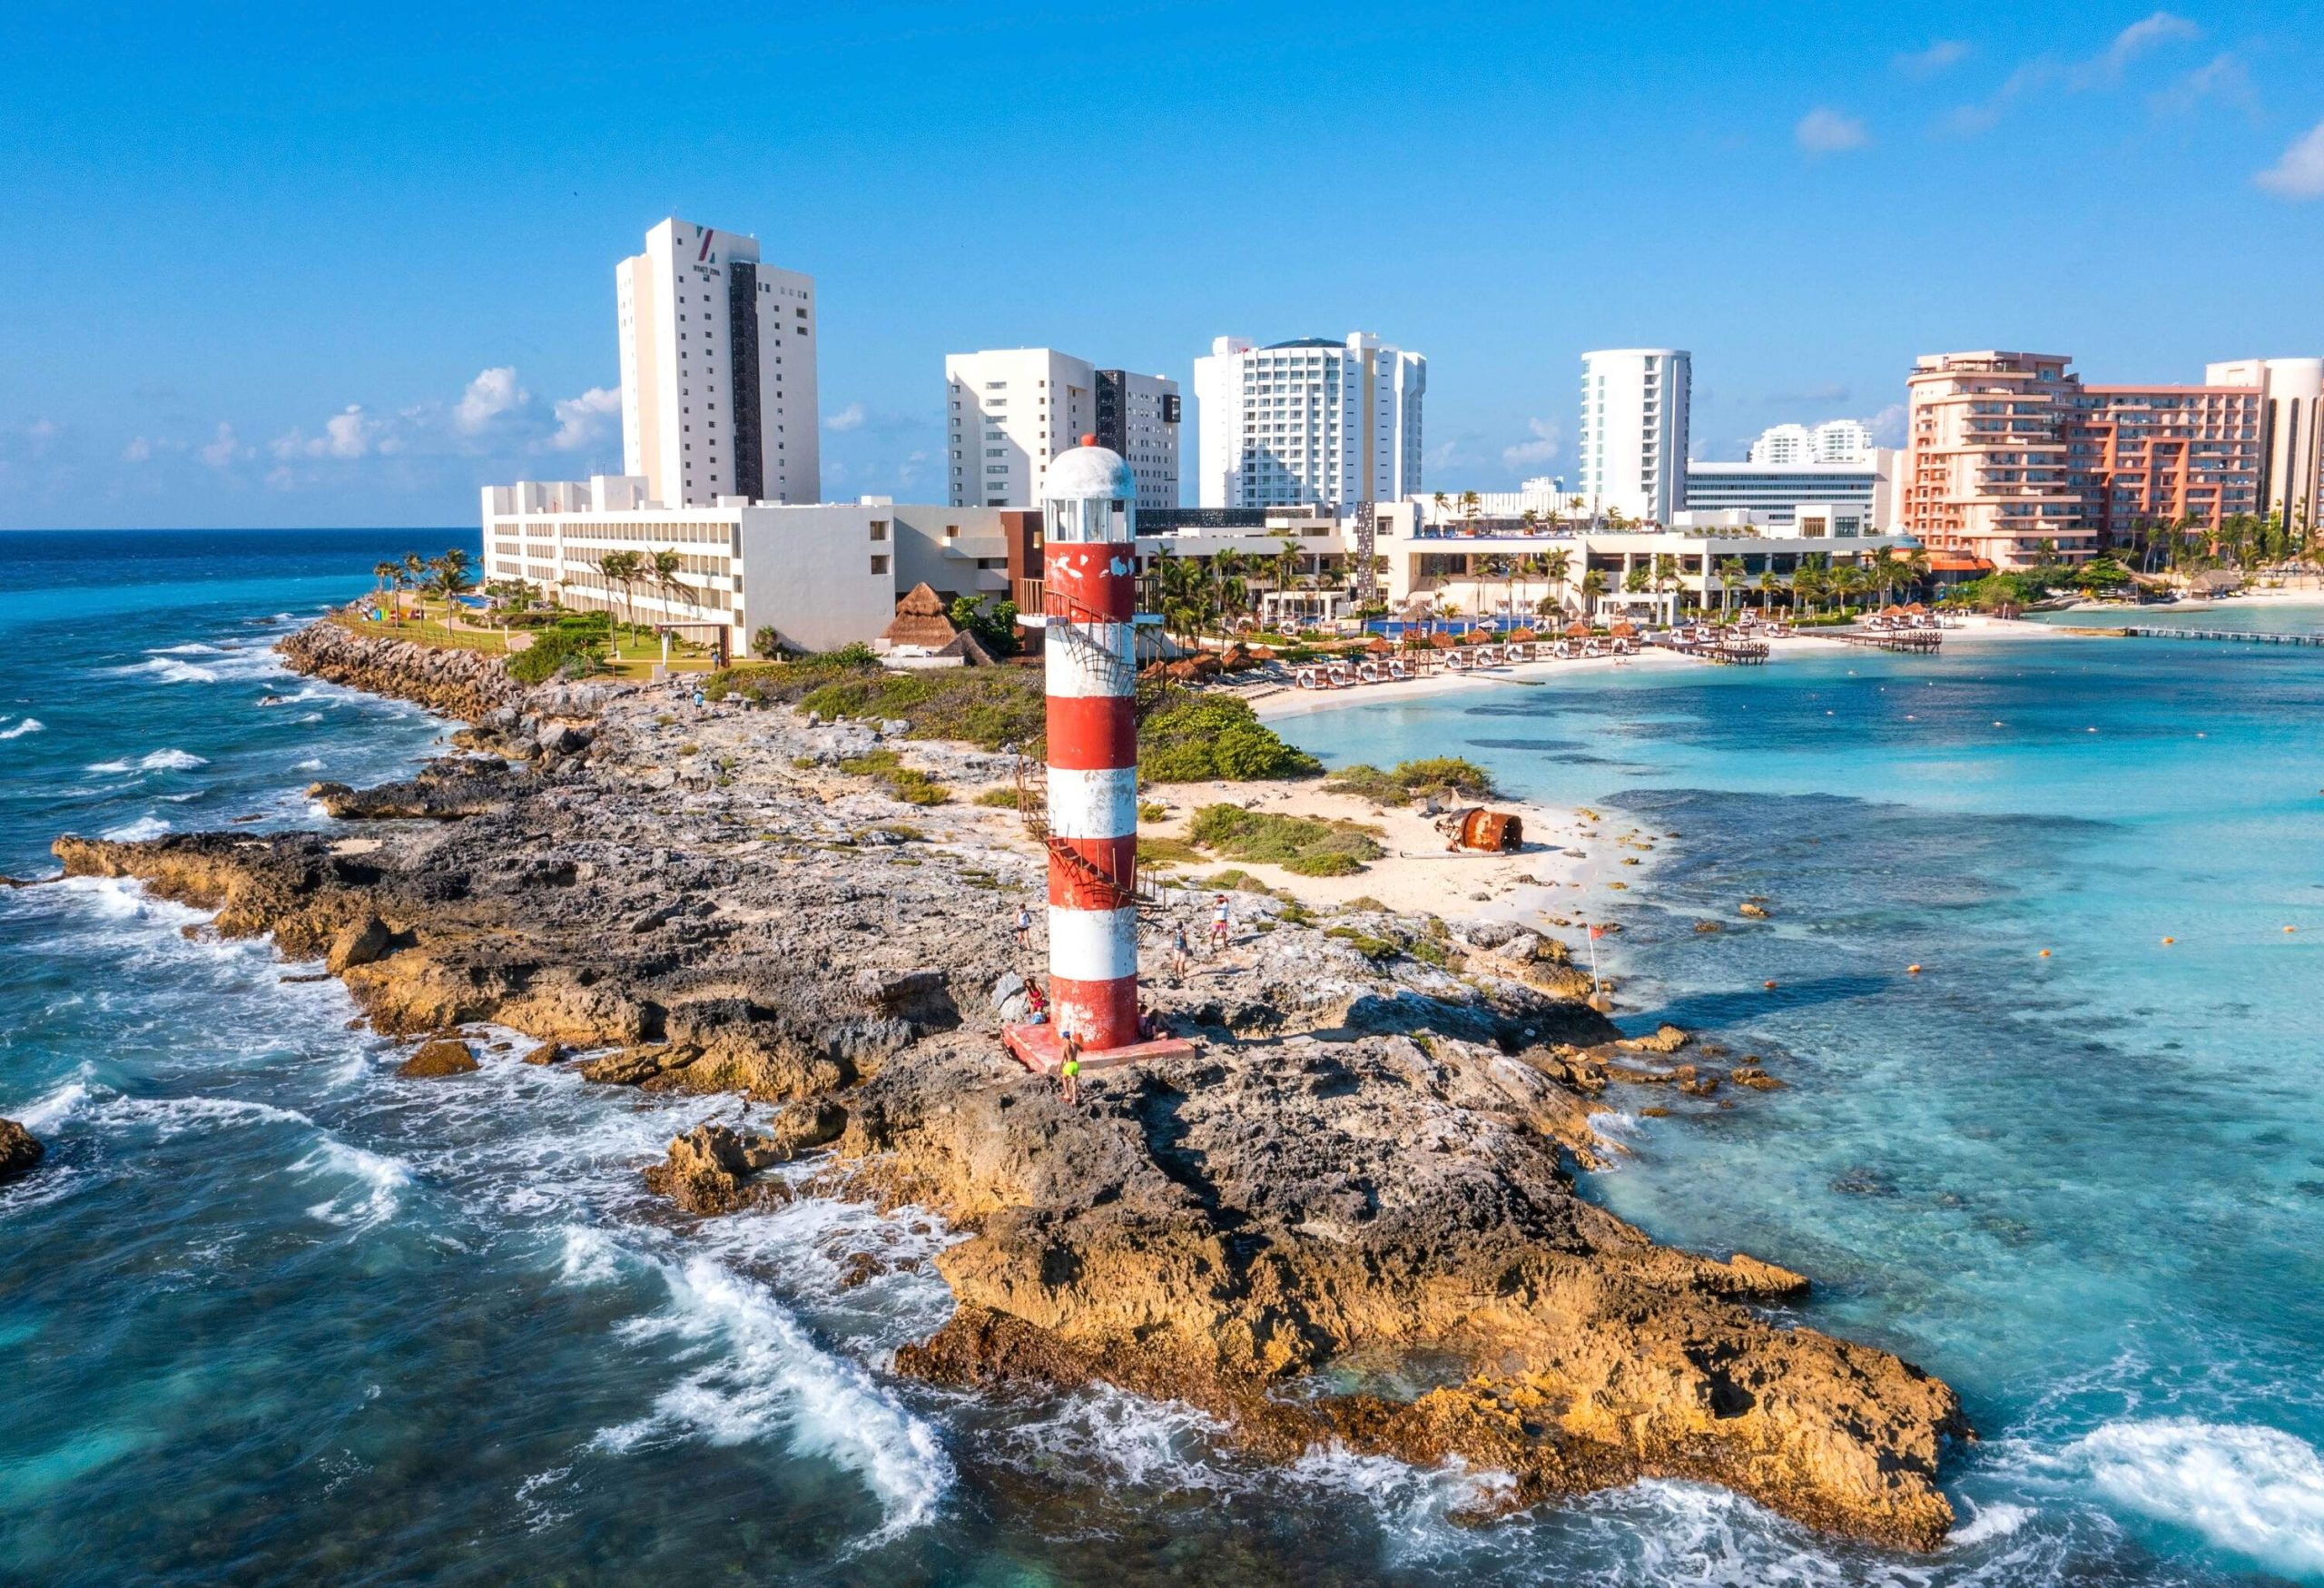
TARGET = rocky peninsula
x,y
1367,1164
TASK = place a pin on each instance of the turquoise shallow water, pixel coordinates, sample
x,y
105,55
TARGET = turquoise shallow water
x,y
272,1314
2088,1190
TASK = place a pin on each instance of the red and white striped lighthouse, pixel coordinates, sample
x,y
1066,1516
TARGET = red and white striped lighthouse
x,y
1089,615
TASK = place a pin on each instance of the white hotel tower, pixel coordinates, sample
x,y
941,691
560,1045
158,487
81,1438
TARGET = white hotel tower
x,y
718,370
1312,422
1634,431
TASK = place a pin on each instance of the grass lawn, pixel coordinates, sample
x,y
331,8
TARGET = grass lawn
x,y
636,653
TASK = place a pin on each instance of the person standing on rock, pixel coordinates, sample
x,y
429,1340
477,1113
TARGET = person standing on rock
x,y
1068,1068
1221,923
1024,927
1178,951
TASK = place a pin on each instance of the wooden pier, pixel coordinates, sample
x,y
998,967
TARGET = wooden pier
x,y
1737,653
1924,641
2234,636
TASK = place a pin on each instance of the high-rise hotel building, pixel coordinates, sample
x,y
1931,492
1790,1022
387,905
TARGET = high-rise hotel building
x,y
1634,431
718,370
2011,457
1012,410
2291,432
1308,423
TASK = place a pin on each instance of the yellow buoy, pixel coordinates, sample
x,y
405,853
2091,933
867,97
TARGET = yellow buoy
x,y
2045,953
2292,929
1769,985
2168,941
1912,970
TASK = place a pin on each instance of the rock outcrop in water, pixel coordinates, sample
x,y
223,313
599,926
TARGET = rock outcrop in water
x,y
1363,1166
20,1151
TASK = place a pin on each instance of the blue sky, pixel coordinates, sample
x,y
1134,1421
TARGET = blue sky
x,y
313,266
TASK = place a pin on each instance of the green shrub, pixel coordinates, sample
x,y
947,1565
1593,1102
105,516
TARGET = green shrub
x,y
1167,852
1436,775
1299,844
1149,810
1003,798
1326,864
1364,943
986,707
908,783
558,652
1211,736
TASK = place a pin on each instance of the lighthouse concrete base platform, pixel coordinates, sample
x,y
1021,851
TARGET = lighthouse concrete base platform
x,y
1039,1049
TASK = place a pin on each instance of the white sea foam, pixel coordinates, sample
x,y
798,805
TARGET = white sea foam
x,y
136,832
376,1194
1105,1435
773,1376
312,763
57,1106
172,761
174,1116
109,766
31,725
190,648
591,1256
2250,1489
170,670
1987,1523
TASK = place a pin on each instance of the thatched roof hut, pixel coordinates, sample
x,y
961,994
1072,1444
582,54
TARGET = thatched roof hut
x,y
920,620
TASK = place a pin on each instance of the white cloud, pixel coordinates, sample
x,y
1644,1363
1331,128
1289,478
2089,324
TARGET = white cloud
x,y
583,420
351,433
492,393
224,449
137,451
2146,34
1887,426
2300,173
2104,70
2224,79
1939,57
850,418
1540,448
1823,131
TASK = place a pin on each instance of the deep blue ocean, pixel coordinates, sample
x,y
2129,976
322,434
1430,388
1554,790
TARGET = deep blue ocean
x,y
271,1314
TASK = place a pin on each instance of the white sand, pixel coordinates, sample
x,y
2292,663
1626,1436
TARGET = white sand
x,y
1569,858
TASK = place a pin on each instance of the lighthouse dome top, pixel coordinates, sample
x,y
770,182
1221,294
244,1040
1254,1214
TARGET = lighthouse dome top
x,y
1089,472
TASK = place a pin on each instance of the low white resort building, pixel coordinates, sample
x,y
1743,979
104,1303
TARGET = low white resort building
x,y
828,574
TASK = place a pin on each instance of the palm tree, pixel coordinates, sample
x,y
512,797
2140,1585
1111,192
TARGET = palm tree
x,y
1769,585
1731,574
666,567
454,578
1472,504
1555,566
621,570
1593,585
382,574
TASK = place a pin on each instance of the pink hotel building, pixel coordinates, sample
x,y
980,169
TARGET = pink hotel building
x,y
2006,452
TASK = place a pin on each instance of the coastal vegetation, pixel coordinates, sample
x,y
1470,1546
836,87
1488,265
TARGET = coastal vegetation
x,y
1304,845
910,784
1442,775
1202,737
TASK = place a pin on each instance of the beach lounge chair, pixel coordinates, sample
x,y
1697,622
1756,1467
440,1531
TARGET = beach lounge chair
x,y
1589,647
1397,670
1305,678
1338,677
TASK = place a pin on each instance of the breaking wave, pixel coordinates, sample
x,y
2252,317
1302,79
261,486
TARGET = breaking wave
x,y
136,832
376,1192
31,725
2250,1489
774,1377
